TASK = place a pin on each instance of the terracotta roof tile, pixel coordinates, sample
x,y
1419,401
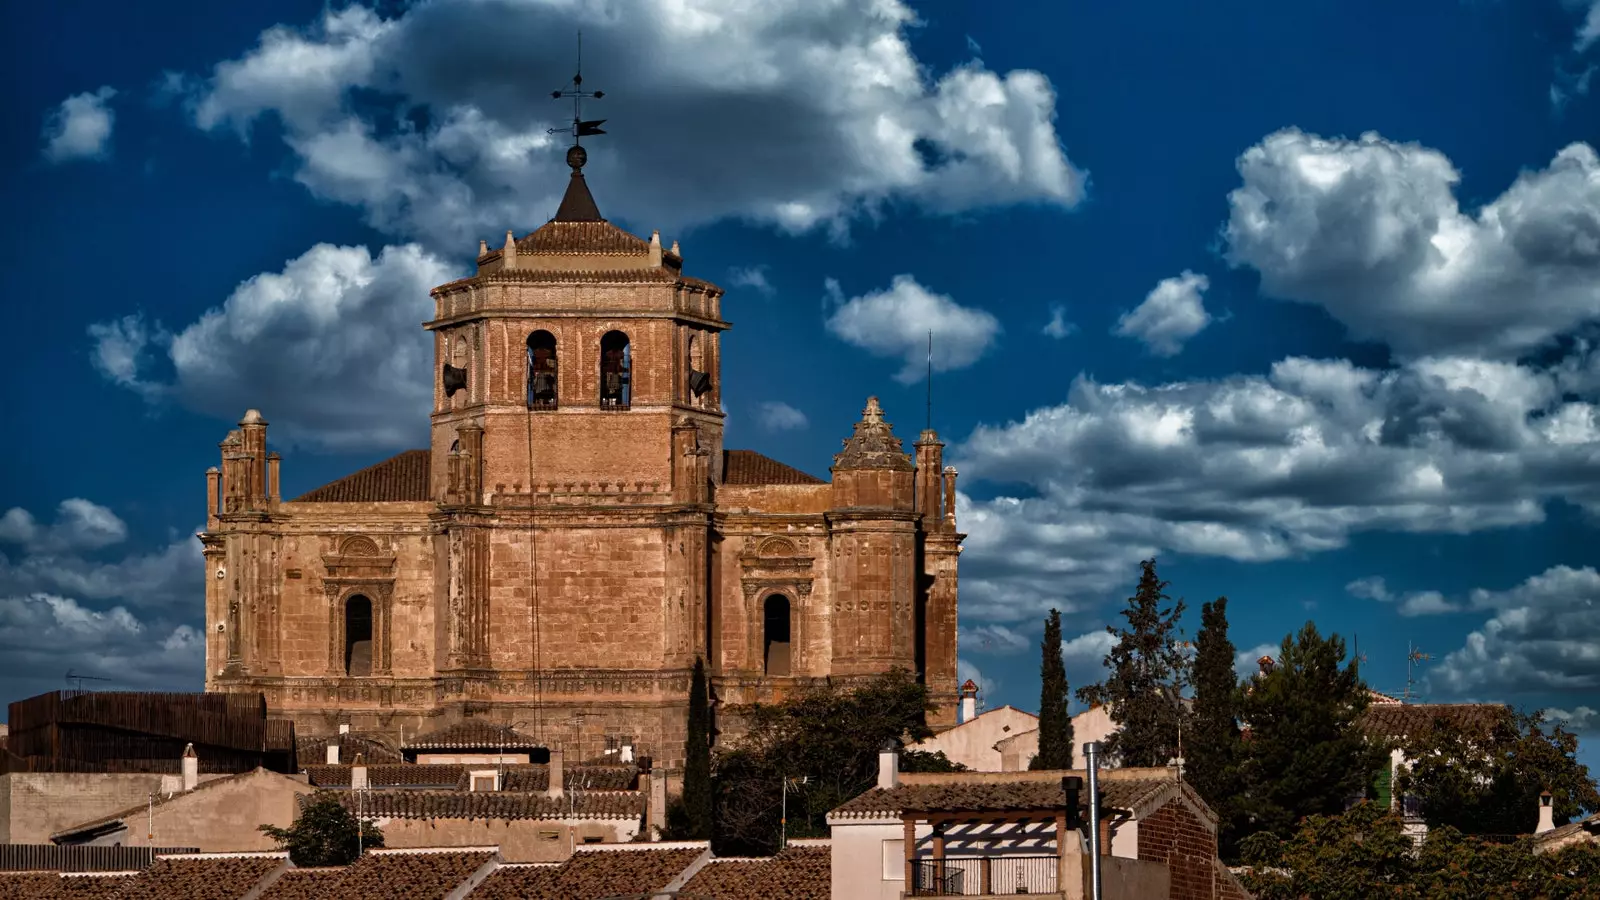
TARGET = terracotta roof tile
x,y
305,884
212,878
750,467
393,875
596,237
456,804
582,778
391,775
611,873
992,796
474,734
400,478
796,873
373,750
53,886
1395,721
517,883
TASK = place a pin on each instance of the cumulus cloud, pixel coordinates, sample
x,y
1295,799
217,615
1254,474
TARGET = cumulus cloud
x,y
1089,648
80,525
1576,720
752,277
80,128
1248,662
993,639
1372,231
896,323
774,94
1170,315
43,636
1412,603
777,416
1544,636
1058,327
966,671
1262,467
329,349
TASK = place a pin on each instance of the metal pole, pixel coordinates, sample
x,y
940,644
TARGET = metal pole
x,y
1091,755
783,818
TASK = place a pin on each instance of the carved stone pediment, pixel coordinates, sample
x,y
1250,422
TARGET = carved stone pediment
x,y
359,558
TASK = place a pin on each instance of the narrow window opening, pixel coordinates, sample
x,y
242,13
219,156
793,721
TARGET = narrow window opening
x,y
776,635
542,370
358,636
616,366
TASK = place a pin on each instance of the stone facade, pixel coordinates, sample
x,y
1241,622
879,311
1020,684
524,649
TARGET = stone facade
x,y
576,534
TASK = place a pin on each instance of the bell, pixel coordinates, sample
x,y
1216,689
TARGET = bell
x,y
699,382
454,379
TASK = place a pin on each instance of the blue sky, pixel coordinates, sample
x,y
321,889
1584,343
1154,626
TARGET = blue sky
x,y
1299,298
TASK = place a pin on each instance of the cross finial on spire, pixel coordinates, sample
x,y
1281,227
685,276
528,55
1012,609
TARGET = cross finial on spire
x,y
577,156
873,412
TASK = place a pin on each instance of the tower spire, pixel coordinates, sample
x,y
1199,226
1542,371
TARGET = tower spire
x,y
578,204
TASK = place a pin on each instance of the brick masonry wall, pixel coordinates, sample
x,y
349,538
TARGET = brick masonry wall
x,y
1175,836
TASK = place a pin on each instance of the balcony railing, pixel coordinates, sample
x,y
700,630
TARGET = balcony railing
x,y
985,875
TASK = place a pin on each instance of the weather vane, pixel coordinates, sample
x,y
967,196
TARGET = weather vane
x,y
580,129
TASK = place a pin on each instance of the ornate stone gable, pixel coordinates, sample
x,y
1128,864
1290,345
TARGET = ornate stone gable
x,y
873,445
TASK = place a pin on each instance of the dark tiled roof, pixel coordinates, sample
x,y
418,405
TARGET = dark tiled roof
x,y
582,778
424,875
400,478
53,886
373,750
454,804
214,878
993,796
391,775
19,885
750,467
474,734
578,205
612,873
596,237
1396,720
796,873
305,884
517,883
1560,834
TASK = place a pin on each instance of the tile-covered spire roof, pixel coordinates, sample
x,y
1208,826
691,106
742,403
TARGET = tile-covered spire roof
x,y
873,444
750,467
400,478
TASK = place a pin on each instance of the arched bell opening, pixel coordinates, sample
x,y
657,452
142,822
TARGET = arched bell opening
x,y
616,367
775,633
358,636
542,370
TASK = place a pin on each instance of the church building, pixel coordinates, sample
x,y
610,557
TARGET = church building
x,y
576,534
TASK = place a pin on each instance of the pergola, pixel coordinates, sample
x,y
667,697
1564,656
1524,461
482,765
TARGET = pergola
x,y
1012,850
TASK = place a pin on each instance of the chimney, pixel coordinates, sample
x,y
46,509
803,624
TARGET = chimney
x,y
1266,665
655,813
508,253
655,248
888,766
969,701
333,753
358,773
1547,813
191,769
557,787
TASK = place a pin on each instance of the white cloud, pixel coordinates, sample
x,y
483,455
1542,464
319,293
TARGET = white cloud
x,y
330,349
1412,603
80,128
1577,720
1089,648
776,416
753,277
1248,662
79,525
1058,327
993,639
1544,636
43,636
1589,31
1170,315
896,323
1258,468
780,89
1372,231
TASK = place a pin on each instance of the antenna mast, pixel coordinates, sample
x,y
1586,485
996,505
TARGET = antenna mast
x,y
1414,655
930,379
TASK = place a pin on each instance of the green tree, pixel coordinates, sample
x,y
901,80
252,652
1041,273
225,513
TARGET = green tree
x,y
830,735
1211,743
1487,780
325,833
1055,724
696,800
1148,674
1306,755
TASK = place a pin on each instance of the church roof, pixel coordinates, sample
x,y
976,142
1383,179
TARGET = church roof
x,y
400,478
586,237
873,444
578,205
750,467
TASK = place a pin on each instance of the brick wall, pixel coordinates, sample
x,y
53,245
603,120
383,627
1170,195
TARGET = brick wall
x,y
1175,835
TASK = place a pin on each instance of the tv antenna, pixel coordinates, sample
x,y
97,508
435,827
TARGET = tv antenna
x,y
80,679
580,129
1414,655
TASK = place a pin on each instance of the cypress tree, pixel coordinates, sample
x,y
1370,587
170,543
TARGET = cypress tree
x,y
697,761
1055,725
1148,673
1306,755
1211,741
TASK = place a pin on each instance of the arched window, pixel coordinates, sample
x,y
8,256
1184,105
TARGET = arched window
x,y
775,635
541,370
358,636
699,379
616,364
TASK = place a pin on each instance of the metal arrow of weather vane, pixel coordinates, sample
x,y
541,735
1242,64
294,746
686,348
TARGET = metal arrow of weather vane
x,y
580,129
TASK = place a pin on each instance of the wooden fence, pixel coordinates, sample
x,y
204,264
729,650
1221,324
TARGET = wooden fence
x,y
50,858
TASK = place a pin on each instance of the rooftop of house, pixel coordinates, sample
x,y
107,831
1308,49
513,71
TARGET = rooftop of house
x,y
1400,720
1135,790
796,873
494,805
157,801
458,776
